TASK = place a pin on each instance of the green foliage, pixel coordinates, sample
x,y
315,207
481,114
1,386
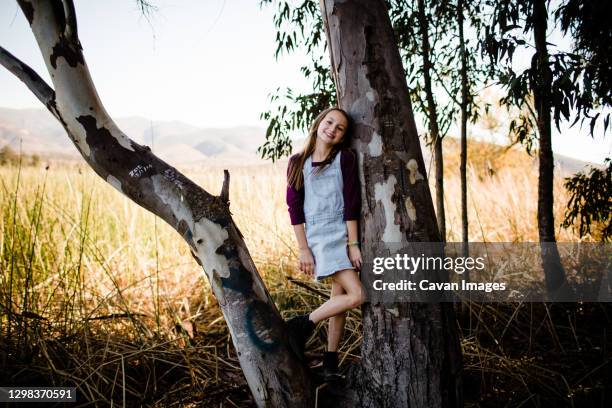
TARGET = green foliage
x,y
587,82
146,8
290,112
580,89
444,61
299,27
591,201
589,24
509,23
518,87
580,79
292,23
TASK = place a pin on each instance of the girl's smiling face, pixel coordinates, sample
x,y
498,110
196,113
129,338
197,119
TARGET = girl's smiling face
x,y
332,128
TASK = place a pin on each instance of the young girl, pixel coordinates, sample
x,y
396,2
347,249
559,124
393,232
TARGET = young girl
x,y
324,206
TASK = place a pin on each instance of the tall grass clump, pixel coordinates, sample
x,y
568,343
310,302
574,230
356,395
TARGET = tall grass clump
x,y
86,293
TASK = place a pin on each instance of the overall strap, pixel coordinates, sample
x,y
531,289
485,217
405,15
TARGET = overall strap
x,y
307,163
336,161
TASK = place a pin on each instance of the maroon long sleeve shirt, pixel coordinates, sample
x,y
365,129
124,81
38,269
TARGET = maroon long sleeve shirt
x,y
350,190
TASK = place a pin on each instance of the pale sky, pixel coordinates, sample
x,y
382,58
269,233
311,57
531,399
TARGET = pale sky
x,y
208,63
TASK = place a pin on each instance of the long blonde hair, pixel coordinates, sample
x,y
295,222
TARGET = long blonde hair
x,y
295,177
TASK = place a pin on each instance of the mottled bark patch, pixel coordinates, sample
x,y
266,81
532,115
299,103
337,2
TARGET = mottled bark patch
x,y
210,236
387,111
204,205
185,231
71,52
410,210
375,147
28,10
413,170
106,151
259,322
58,12
197,259
363,132
239,278
52,106
68,48
383,194
114,182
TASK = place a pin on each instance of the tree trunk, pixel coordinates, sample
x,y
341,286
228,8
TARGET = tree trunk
x,y
553,270
274,374
410,353
464,118
432,118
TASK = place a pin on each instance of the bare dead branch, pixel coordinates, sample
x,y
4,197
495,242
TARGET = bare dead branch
x,y
308,288
225,188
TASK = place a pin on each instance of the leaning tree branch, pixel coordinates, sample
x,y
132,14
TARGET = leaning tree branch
x,y
30,78
224,196
272,369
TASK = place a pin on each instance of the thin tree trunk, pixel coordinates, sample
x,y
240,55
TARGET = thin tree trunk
x,y
274,374
432,116
410,351
464,118
553,270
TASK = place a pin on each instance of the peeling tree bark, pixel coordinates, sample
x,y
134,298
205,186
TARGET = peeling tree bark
x,y
410,352
274,374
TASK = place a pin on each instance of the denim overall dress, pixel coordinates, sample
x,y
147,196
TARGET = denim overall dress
x,y
324,212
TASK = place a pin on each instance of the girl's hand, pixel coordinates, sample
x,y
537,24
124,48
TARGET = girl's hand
x,y
354,254
306,262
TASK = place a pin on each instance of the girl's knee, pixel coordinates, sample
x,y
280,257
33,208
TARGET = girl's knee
x,y
356,299
336,290
349,283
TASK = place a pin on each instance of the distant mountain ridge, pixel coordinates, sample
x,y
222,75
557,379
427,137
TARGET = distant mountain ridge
x,y
175,142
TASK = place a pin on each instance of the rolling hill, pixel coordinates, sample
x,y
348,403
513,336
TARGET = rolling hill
x,y
182,144
175,142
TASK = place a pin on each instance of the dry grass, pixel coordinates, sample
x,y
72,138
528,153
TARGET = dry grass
x,y
97,292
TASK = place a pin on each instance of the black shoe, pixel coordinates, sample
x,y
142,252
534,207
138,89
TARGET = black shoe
x,y
300,329
330,367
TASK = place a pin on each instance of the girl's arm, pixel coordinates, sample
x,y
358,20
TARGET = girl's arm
x,y
353,243
295,202
351,227
306,258
300,235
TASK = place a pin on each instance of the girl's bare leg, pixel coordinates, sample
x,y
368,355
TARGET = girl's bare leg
x,y
354,296
336,323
